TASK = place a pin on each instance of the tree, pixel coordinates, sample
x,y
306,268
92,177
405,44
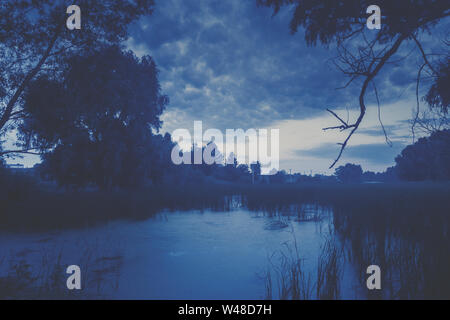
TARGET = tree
x,y
35,42
279,177
390,174
243,170
369,176
256,171
426,159
429,121
95,124
2,164
362,54
349,173
435,118
438,96
161,162
256,168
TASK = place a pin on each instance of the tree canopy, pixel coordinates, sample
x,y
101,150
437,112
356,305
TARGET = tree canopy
x,y
426,159
349,173
337,20
34,41
96,124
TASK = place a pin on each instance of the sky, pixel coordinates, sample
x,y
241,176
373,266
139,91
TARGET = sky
x,y
231,64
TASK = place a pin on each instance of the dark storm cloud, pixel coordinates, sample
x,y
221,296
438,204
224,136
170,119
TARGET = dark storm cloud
x,y
236,61
398,78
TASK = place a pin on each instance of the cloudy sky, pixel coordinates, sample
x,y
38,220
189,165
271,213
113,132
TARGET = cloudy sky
x,y
233,65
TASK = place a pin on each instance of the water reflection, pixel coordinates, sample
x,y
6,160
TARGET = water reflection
x,y
300,252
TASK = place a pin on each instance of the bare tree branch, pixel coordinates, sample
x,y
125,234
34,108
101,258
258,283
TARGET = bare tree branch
x,y
377,62
423,54
388,141
417,102
342,127
25,151
9,108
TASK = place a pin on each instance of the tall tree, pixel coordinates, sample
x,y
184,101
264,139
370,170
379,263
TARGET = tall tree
x,y
349,173
35,41
361,52
95,124
426,159
256,168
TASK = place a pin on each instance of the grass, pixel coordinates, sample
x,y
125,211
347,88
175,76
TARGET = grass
x,y
293,281
25,277
404,228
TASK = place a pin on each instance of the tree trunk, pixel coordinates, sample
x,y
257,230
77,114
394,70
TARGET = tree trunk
x,y
10,106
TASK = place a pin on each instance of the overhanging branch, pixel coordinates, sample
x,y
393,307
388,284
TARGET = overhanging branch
x,y
378,62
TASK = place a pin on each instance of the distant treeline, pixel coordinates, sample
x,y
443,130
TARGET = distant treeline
x,y
426,160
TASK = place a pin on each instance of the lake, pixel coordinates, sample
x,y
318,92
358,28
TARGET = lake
x,y
174,255
266,249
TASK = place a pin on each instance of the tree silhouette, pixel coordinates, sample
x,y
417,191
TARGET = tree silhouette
x,y
349,173
256,168
96,124
426,159
34,41
362,53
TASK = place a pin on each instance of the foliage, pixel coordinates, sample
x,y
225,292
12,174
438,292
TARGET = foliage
x,y
34,42
349,173
438,95
427,159
256,168
336,20
95,126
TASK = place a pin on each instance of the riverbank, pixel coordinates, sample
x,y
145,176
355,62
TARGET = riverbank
x,y
27,205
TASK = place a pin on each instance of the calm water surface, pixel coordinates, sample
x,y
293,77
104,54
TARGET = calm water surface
x,y
176,255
